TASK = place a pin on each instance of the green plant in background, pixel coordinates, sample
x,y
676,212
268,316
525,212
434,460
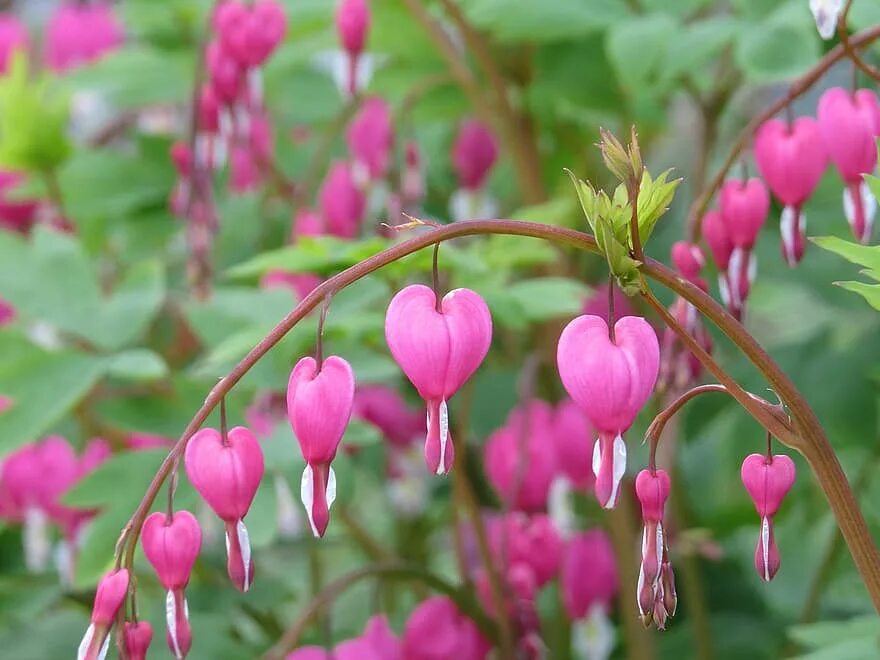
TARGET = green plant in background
x,y
316,150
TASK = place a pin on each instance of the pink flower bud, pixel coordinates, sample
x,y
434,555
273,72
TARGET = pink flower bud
x,y
13,37
267,27
412,185
473,154
571,440
352,24
652,491
688,259
136,639
436,629
767,480
744,207
342,203
610,381
370,139
109,597
381,638
850,124
227,475
589,573
530,540
519,466
718,239
244,172
78,34
385,409
227,77
319,405
438,347
309,653
306,223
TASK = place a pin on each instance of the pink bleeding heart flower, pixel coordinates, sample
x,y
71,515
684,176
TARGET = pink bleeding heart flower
x,y
13,37
436,630
744,207
438,345
412,180
518,464
342,203
530,540
266,30
655,603
717,236
379,636
352,25
571,436
244,171
306,223
610,380
136,639
384,408
370,139
171,545
473,154
78,34
767,480
109,597
850,124
226,472
260,136
518,598
689,261
588,574
320,398
226,75
792,159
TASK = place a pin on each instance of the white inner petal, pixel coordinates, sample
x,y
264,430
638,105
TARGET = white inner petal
x,y
306,494
559,505
659,548
289,521
171,622
244,542
593,636
723,288
444,437
765,547
788,232
86,641
331,487
104,648
826,13
37,547
597,458
849,208
618,469
869,205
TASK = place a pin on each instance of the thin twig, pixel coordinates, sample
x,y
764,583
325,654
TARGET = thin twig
x,y
848,47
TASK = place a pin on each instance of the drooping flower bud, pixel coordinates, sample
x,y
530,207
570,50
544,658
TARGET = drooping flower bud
x,y
320,398
342,203
385,409
352,25
370,139
791,158
744,206
438,346
826,13
226,74
652,491
77,34
610,380
171,545
688,259
850,124
109,597
436,629
226,472
137,637
306,223
473,154
767,480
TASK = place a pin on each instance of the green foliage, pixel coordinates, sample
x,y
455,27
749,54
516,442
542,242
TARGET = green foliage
x,y
33,120
862,255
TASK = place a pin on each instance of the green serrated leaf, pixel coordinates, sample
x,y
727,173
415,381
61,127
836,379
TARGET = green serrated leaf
x,y
655,196
862,255
870,292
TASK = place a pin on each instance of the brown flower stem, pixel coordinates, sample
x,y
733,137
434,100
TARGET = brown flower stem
x,y
388,570
848,47
805,434
514,130
796,89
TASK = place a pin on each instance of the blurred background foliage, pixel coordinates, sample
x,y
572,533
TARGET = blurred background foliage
x,y
108,339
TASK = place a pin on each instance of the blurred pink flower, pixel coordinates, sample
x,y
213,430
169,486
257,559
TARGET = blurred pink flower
x,y
384,408
589,573
473,154
80,33
370,139
15,215
342,203
13,36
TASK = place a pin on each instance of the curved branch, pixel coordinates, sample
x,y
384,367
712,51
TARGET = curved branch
x,y
797,88
812,441
397,571
848,47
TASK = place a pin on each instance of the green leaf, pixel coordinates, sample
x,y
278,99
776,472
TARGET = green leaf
x,y
544,298
862,255
870,292
33,120
123,476
779,47
43,386
137,364
655,196
698,44
637,49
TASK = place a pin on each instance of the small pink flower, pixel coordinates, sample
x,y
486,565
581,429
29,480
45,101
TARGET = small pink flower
x,y
15,215
352,25
136,639
850,124
588,573
370,139
717,237
610,381
171,545
244,171
109,597
767,479
438,345
78,34
342,203
320,398
744,207
436,630
530,540
656,595
226,75
301,284
412,179
473,154
689,260
571,441
792,159
13,38
518,464
736,266
226,472
384,408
